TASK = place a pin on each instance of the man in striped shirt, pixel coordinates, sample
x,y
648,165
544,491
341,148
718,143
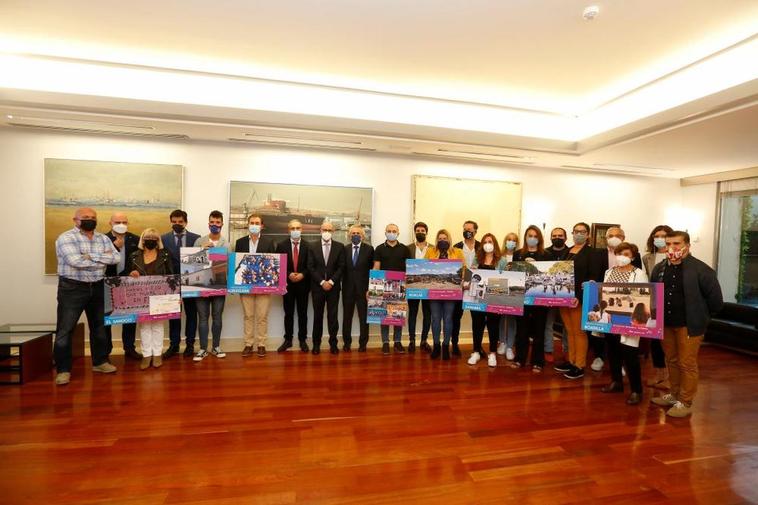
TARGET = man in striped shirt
x,y
83,254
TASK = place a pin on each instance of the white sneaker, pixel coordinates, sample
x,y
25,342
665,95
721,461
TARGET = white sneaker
x,y
597,364
474,359
623,371
492,360
501,348
216,351
509,355
202,353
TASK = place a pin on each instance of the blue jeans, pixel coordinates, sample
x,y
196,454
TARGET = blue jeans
x,y
442,318
397,333
508,331
212,306
75,297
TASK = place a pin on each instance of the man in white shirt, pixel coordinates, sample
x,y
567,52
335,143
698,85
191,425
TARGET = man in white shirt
x,y
470,246
298,287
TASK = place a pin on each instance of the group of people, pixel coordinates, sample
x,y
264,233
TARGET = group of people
x,y
326,271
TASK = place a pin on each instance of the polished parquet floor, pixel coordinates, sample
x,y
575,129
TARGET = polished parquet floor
x,y
372,429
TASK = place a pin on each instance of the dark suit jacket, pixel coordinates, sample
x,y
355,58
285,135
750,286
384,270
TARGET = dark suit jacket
x,y
169,244
586,268
131,241
285,247
603,261
265,245
355,280
324,269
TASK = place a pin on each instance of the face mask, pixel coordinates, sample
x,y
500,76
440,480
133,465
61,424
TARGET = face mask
x,y
88,224
214,228
488,247
532,241
326,236
391,236
468,234
580,238
510,244
623,261
295,234
420,237
150,244
119,228
676,254
178,228
255,229
614,242
659,242
356,239
443,245
558,243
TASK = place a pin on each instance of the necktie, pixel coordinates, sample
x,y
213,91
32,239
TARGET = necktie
x,y
295,255
327,248
355,255
178,241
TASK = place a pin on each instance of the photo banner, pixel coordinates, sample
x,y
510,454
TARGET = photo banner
x,y
203,271
433,279
257,273
629,309
497,292
548,283
140,299
386,298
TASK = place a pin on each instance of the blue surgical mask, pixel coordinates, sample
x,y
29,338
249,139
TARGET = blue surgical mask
x,y
295,234
532,241
510,244
391,236
255,229
659,242
355,239
214,228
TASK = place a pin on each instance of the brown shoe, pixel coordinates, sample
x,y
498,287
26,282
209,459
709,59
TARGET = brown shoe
x,y
247,351
62,378
146,360
261,351
157,361
104,368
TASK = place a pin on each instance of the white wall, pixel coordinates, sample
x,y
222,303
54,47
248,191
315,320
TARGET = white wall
x,y
557,198
698,216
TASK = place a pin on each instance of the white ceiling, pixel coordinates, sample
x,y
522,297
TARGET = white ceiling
x,y
538,55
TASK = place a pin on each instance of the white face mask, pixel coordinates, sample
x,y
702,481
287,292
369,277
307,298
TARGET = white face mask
x,y
614,242
295,234
326,236
120,228
254,229
623,261
488,247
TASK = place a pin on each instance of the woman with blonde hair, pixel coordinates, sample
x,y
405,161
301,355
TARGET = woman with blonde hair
x,y
442,310
508,323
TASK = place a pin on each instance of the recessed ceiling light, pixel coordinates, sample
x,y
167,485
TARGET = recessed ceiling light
x,y
590,12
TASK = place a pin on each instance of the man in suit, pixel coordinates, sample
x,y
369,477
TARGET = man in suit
x,y
126,243
298,286
173,241
470,246
255,307
359,258
326,263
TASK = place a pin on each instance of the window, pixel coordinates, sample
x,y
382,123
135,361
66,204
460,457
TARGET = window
x,y
738,241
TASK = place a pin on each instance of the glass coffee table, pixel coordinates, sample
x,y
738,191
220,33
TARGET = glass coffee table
x,y
25,356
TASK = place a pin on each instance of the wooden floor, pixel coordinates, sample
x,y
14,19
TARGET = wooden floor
x,y
370,429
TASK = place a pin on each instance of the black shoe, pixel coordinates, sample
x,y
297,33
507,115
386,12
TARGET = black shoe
x,y
398,348
171,351
132,354
316,351
189,351
285,345
574,373
411,347
456,351
425,347
446,353
334,349
613,387
386,349
435,352
303,346
634,399
346,348
362,348
562,367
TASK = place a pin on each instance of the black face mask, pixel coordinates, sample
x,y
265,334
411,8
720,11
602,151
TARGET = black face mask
x,y
420,237
558,243
178,228
150,244
88,224
468,234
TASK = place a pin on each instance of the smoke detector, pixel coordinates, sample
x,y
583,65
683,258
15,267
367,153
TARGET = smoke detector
x,y
590,12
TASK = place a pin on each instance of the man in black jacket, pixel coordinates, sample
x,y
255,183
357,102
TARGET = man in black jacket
x,y
255,307
298,286
126,243
326,264
470,246
359,259
691,295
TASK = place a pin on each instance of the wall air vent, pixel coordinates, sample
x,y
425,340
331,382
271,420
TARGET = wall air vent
x,y
313,144
169,136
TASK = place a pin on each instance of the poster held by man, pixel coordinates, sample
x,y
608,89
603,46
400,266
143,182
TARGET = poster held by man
x,y
386,298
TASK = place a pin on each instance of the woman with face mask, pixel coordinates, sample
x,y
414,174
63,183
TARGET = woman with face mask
x,y
150,258
532,324
508,323
442,310
656,252
624,349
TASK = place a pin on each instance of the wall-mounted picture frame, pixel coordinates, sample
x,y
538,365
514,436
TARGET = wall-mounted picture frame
x,y
597,234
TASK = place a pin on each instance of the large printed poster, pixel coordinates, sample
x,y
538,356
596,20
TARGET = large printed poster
x,y
203,271
495,292
257,273
144,298
386,298
548,283
433,279
624,308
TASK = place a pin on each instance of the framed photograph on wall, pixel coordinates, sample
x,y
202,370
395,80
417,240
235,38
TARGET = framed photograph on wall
x,y
597,234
